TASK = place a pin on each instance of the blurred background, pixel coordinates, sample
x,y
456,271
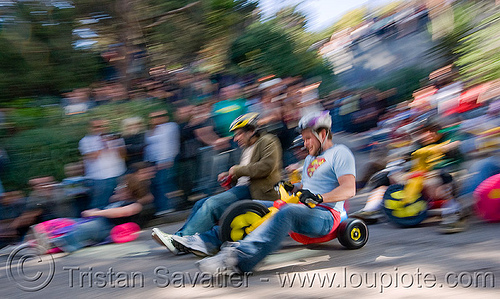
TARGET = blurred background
x,y
65,63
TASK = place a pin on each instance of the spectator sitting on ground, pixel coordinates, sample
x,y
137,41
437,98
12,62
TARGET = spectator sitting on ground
x,y
129,203
47,200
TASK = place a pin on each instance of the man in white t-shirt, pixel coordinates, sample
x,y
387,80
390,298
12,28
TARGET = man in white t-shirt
x,y
104,161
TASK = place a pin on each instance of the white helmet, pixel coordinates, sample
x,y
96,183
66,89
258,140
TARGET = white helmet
x,y
314,121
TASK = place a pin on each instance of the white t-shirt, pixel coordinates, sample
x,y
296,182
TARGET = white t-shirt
x,y
320,174
162,143
108,164
245,160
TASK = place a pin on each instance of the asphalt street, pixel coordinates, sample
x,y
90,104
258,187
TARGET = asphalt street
x,y
402,263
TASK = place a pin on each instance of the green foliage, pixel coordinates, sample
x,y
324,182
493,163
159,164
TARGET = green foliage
x,y
350,19
479,53
202,31
267,49
38,152
446,47
473,44
46,140
36,52
388,9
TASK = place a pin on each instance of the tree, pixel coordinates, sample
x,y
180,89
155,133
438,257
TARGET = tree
x,y
266,48
388,9
36,52
473,43
201,32
350,19
479,53
38,41
447,44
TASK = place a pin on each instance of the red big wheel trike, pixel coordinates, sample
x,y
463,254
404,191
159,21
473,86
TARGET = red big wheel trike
x,y
242,217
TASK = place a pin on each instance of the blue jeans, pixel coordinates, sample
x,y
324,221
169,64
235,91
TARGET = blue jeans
x,y
102,191
211,237
267,238
163,183
207,212
480,171
89,232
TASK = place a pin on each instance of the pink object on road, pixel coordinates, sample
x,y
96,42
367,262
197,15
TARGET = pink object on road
x,y
126,232
487,196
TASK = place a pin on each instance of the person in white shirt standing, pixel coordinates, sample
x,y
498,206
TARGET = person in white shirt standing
x,y
104,161
162,147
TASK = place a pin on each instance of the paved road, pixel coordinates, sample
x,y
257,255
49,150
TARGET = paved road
x,y
410,263
395,263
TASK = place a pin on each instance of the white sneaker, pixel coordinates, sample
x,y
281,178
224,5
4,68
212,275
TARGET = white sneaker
x,y
224,263
164,239
193,244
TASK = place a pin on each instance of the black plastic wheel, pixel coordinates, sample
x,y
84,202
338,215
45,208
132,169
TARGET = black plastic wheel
x,y
352,233
408,215
239,216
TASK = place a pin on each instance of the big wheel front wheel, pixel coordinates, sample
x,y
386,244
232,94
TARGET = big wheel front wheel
x,y
239,216
352,233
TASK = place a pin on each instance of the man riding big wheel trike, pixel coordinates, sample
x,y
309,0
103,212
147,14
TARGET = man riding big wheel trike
x,y
243,217
328,179
428,186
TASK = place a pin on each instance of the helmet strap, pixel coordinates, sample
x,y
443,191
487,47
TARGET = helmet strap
x,y
322,142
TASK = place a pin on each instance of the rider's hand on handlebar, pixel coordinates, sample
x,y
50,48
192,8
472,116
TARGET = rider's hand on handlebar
x,y
307,197
222,176
287,185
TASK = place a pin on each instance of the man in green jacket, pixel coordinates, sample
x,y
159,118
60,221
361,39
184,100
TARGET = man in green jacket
x,y
255,177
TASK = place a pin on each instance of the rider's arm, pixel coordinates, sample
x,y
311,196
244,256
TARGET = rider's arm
x,y
208,136
345,190
118,212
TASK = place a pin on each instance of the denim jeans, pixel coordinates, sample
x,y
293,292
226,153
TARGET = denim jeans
x,y
89,232
268,237
161,184
207,212
211,237
102,191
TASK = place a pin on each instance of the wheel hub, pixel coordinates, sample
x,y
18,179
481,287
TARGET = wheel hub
x,y
355,234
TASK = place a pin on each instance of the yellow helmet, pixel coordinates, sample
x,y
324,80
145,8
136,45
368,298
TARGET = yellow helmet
x,y
242,121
